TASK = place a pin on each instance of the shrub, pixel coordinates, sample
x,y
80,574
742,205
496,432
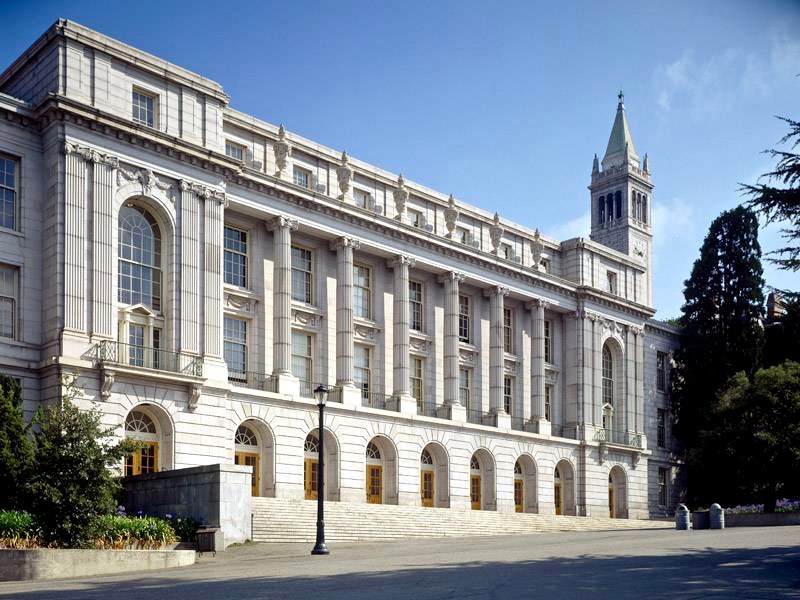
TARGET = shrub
x,y
185,527
18,529
16,451
114,532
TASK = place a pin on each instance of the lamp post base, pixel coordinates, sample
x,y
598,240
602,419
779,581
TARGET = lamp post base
x,y
320,548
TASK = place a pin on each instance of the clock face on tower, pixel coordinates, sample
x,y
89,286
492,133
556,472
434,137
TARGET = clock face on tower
x,y
639,249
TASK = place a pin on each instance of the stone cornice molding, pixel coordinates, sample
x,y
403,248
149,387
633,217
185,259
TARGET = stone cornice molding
x,y
345,242
281,222
90,154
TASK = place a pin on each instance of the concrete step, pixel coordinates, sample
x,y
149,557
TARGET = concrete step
x,y
278,520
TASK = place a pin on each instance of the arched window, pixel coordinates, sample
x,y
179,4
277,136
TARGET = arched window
x,y
139,258
602,209
248,453
311,445
474,465
609,208
608,377
618,204
139,426
373,452
644,208
245,436
425,458
517,468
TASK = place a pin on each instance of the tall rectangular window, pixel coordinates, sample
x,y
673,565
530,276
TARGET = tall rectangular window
x,y
9,290
362,292
506,251
234,150
415,218
417,379
661,371
663,486
9,182
548,343
462,235
301,177
301,275
661,428
302,360
144,106
415,305
362,370
465,387
235,257
464,320
508,331
235,348
548,402
508,394
611,282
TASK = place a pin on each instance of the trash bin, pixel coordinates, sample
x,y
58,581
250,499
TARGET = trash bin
x,y
207,539
683,520
716,517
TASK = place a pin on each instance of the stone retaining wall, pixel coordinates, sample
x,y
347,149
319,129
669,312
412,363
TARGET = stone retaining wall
x,y
45,563
761,519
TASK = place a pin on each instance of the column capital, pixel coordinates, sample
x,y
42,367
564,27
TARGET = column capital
x,y
496,290
537,303
400,260
280,222
345,242
636,329
90,154
200,190
451,276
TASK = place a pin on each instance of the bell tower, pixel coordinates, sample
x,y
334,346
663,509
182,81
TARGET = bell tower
x,y
621,193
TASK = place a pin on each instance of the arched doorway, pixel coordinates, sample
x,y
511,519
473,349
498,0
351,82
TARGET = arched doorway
x,y
434,477
525,497
311,466
617,494
482,481
427,477
380,472
247,451
564,488
140,426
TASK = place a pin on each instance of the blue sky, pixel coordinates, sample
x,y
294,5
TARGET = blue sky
x,y
501,104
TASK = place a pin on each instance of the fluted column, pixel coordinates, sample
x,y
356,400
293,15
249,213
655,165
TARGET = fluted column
x,y
496,352
630,381
344,310
451,290
282,299
538,369
215,203
639,412
401,326
104,321
189,223
75,202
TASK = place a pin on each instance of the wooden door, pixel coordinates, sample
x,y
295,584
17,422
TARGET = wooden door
x,y
144,460
374,484
557,497
426,488
611,510
311,478
518,495
475,491
250,459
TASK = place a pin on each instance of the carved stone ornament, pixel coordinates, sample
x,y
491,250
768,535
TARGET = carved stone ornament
x,y
416,345
466,357
238,303
282,221
450,216
194,396
282,149
107,384
148,180
510,367
344,172
537,248
204,192
305,319
91,154
400,194
496,233
364,333
550,376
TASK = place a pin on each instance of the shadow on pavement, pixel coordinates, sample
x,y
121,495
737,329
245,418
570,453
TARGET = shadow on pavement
x,y
763,573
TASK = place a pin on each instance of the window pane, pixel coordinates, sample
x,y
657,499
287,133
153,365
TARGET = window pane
x,y
235,257
301,275
139,258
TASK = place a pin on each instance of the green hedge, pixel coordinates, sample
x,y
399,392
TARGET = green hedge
x,y
18,530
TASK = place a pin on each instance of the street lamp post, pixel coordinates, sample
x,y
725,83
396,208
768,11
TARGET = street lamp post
x,y
321,394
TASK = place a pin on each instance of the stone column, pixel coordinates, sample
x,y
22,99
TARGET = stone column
x,y
344,320
597,372
286,383
639,412
452,408
189,223
630,381
403,401
538,370
497,355
104,321
214,203
75,203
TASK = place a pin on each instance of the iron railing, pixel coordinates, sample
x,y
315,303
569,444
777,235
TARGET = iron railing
x,y
306,388
425,409
253,380
619,437
479,417
518,423
374,399
118,353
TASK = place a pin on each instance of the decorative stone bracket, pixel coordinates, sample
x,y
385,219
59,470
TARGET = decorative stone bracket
x,y
195,391
106,383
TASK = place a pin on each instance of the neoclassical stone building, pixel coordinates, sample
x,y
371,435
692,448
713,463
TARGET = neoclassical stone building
x,y
201,271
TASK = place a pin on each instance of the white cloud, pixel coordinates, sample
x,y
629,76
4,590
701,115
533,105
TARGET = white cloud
x,y
577,227
673,220
712,84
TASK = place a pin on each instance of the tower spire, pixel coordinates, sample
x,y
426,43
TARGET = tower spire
x,y
620,143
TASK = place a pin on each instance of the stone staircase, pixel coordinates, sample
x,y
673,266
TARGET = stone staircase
x,y
278,520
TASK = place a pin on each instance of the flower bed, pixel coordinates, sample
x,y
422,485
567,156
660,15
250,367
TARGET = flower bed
x,y
782,506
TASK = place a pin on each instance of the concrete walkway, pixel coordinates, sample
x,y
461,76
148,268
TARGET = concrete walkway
x,y
734,563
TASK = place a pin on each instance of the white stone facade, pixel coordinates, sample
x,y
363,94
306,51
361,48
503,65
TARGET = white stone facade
x,y
194,167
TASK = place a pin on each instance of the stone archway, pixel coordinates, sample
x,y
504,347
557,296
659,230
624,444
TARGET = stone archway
x,y
434,460
617,493
311,462
525,485
151,425
255,445
564,488
380,471
483,486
